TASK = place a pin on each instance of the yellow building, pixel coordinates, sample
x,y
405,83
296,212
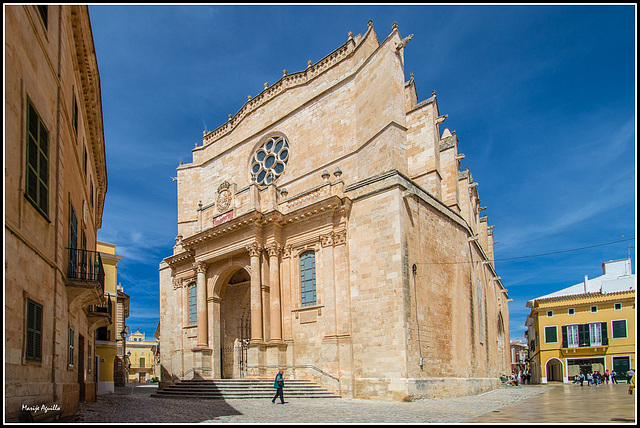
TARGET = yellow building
x,y
107,334
587,327
141,356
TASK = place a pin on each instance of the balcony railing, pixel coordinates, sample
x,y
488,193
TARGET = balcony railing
x,y
86,265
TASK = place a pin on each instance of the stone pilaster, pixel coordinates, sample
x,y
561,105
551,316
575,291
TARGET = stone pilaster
x,y
256,293
201,269
274,284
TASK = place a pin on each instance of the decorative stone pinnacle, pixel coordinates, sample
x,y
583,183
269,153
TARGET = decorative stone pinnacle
x,y
411,75
325,175
284,72
196,144
350,35
249,98
309,63
394,25
433,93
337,173
230,117
370,23
284,192
266,85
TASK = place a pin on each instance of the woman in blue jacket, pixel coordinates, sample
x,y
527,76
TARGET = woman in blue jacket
x,y
278,385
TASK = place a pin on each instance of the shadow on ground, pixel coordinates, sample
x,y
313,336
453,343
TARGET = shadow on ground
x,y
133,404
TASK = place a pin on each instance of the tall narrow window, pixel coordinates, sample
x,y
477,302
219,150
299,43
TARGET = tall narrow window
x,y
480,312
595,334
308,278
71,346
37,173
141,362
75,114
83,256
44,14
34,331
193,312
91,192
84,168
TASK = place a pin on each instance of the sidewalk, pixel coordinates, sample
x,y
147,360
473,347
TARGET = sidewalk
x,y
569,403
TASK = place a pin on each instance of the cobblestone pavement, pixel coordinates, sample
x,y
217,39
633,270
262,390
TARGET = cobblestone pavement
x,y
134,405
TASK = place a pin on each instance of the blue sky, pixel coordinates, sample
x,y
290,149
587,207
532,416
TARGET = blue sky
x,y
542,99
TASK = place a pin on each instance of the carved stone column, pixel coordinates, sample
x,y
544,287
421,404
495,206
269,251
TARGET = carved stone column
x,y
201,302
274,285
256,293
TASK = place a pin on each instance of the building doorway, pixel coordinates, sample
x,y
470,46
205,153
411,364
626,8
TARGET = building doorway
x,y
235,324
621,367
554,370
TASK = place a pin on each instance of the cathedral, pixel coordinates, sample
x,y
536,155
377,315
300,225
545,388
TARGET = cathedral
x,y
327,229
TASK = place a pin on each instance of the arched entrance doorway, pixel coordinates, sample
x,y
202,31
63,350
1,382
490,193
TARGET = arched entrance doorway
x,y
235,324
554,370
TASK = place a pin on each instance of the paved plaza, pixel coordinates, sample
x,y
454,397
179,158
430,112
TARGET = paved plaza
x,y
555,403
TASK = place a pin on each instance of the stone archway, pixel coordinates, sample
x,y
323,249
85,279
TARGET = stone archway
x,y
235,323
554,370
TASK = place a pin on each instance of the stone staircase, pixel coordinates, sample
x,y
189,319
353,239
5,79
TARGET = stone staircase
x,y
241,389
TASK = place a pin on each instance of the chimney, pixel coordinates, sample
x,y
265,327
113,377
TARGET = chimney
x,y
586,279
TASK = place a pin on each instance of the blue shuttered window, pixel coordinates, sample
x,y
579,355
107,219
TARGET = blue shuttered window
x,y
193,307
308,278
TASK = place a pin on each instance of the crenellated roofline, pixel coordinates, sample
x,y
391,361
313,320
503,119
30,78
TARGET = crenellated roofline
x,y
286,82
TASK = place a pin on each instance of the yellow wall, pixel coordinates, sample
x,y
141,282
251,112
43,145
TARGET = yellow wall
x,y
108,350
108,354
617,347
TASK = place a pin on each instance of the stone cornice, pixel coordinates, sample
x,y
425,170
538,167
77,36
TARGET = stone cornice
x,y
87,64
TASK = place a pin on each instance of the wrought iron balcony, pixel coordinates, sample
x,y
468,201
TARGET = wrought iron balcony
x,y
100,315
85,278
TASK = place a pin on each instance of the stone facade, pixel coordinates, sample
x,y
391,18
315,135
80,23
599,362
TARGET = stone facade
x,y
55,185
326,228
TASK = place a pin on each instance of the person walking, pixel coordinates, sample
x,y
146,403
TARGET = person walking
x,y
278,385
613,377
630,374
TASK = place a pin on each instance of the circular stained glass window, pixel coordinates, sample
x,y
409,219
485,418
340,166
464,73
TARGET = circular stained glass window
x,y
270,160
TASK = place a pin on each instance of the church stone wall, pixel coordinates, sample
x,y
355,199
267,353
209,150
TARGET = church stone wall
x,y
372,188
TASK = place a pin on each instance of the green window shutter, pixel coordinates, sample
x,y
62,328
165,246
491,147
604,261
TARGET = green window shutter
x,y
551,334
619,329
37,158
565,339
583,335
603,330
34,331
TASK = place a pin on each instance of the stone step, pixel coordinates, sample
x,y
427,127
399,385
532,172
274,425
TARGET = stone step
x,y
241,389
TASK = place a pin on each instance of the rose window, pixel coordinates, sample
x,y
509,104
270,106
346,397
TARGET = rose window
x,y
269,161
